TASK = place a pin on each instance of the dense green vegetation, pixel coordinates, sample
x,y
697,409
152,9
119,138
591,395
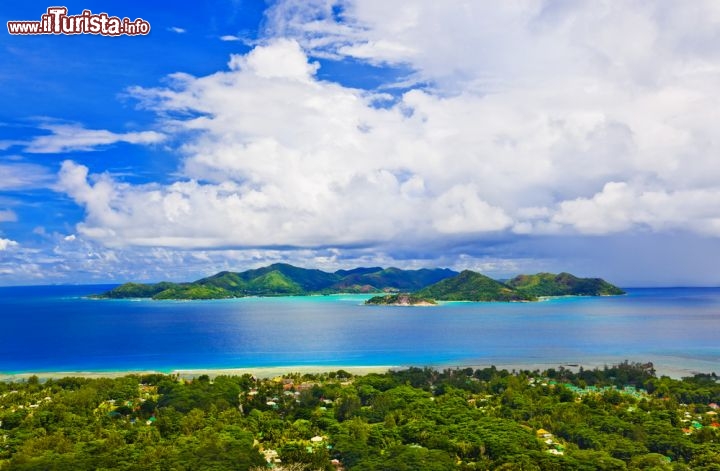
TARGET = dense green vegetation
x,y
403,280
281,279
563,284
138,290
402,299
617,418
472,286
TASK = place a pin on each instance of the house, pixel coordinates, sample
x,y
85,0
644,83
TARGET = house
x,y
542,433
271,456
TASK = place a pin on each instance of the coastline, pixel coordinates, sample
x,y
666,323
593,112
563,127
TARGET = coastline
x,y
663,368
258,372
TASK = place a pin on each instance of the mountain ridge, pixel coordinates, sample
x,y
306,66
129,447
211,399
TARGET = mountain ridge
x,y
282,279
442,284
562,284
471,286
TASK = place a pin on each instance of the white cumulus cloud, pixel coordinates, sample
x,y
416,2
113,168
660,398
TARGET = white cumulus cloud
x,y
6,244
540,118
620,206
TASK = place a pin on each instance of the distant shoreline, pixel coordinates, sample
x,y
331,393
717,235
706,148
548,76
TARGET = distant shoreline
x,y
258,372
673,371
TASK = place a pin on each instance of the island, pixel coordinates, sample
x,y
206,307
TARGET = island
x,y
282,279
401,299
473,286
397,286
563,284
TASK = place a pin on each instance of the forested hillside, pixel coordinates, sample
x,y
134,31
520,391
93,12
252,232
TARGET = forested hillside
x,y
418,419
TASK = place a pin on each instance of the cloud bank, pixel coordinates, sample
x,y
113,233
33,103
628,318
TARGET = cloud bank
x,y
527,119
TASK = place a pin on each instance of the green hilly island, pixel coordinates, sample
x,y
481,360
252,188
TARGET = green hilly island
x,y
409,287
472,286
563,284
281,279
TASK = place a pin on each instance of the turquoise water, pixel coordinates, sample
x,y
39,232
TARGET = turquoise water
x,y
57,329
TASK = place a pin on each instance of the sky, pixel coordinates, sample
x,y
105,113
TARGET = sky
x,y
505,137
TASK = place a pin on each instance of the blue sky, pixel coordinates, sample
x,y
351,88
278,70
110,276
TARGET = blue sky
x,y
505,137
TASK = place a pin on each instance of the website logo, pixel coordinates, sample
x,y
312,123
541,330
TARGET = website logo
x,y
57,21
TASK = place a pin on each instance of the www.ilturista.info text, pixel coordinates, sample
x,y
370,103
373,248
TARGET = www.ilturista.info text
x,y
57,21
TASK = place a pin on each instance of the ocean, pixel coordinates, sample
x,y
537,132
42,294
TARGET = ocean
x,y
57,328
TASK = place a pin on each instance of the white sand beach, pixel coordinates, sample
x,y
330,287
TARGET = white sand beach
x,y
670,367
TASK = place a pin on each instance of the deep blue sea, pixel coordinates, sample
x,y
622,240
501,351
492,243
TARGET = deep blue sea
x,y
56,328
